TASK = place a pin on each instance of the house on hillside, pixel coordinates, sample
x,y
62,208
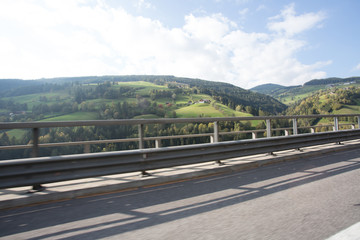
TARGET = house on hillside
x,y
203,101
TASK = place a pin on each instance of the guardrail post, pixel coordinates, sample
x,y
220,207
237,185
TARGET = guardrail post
x,y
141,146
312,130
268,132
35,153
216,132
87,148
358,118
253,134
268,128
158,143
336,124
286,132
216,138
35,148
295,128
141,136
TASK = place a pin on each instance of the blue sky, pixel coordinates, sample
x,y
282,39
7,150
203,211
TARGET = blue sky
x,y
242,42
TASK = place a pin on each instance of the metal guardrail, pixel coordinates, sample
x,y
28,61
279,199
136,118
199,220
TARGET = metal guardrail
x,y
36,170
33,171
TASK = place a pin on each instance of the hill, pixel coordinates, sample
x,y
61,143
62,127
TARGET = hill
x,y
329,101
272,89
290,95
267,88
327,81
115,97
7,85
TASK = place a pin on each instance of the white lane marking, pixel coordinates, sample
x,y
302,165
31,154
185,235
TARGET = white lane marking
x,y
351,233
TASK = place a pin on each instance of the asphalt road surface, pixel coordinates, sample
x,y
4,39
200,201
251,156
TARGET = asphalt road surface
x,y
304,199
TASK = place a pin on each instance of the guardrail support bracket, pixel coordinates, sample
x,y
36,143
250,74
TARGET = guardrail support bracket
x,y
218,162
145,174
271,154
37,188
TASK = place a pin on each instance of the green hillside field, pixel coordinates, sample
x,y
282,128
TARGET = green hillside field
x,y
180,105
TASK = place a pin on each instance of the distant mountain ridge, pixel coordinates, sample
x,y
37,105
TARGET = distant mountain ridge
x,y
269,88
291,94
9,84
332,81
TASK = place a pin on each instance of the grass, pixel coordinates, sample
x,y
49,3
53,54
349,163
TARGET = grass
x,y
288,100
196,110
184,99
73,117
348,109
17,133
207,110
227,112
146,116
99,101
298,94
145,87
34,99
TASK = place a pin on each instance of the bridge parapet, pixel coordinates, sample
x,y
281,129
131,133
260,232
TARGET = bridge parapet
x,y
38,170
214,137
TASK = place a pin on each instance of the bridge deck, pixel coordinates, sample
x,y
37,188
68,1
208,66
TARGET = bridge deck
x,y
15,197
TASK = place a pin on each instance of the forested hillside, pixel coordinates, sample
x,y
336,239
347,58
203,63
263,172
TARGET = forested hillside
x,y
124,97
7,85
128,97
336,100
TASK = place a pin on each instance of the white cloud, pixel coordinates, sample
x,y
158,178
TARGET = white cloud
x,y
139,4
290,24
244,11
357,67
75,38
261,7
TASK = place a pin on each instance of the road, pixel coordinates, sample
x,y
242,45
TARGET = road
x,y
303,199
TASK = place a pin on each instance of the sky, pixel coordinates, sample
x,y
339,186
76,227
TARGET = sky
x,y
242,42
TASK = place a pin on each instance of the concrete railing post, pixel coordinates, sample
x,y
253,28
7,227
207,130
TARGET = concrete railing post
x,y
158,143
87,148
253,135
141,136
268,132
295,127
268,128
286,132
215,138
216,132
35,153
295,130
141,146
35,147
336,124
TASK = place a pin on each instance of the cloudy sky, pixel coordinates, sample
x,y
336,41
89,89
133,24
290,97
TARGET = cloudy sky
x,y
242,42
